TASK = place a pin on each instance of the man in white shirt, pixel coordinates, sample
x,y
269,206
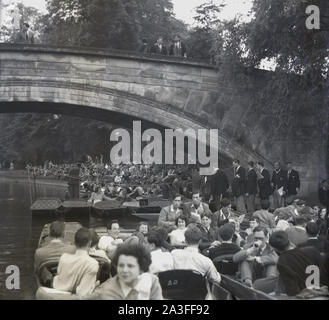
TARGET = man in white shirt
x,y
77,273
110,242
161,261
189,258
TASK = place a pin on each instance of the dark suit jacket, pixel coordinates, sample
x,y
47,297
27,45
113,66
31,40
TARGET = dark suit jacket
x,y
156,49
264,185
218,183
223,249
292,182
320,244
207,237
239,183
279,179
292,266
251,184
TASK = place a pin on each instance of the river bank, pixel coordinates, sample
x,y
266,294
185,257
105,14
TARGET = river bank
x,y
21,176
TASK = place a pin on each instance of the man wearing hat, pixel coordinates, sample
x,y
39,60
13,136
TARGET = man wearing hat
x,y
178,48
293,265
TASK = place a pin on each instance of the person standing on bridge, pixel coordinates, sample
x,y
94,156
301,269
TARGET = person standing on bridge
x,y
178,48
159,47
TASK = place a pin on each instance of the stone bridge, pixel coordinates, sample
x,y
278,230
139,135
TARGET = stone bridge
x,y
120,86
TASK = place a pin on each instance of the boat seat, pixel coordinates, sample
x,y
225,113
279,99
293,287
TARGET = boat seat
x,y
225,265
240,291
183,285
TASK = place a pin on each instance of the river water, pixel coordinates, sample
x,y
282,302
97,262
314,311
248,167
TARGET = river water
x,y
19,233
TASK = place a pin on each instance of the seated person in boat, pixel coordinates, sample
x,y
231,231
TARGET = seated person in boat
x,y
177,237
55,248
97,196
190,258
138,191
225,233
94,249
293,264
77,273
223,215
110,242
168,215
257,260
133,280
142,230
209,234
197,208
161,260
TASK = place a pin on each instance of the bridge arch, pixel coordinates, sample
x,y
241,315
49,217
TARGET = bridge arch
x,y
103,84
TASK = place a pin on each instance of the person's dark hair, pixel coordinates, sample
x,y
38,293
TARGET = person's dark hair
x,y
182,217
260,229
162,232
251,163
193,235
178,195
279,240
252,218
225,202
141,224
207,214
94,237
109,225
288,162
320,211
300,220
265,204
155,238
140,252
312,229
82,237
226,232
260,163
56,229
236,161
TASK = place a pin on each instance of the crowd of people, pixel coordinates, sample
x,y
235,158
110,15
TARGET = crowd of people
x,y
174,48
267,245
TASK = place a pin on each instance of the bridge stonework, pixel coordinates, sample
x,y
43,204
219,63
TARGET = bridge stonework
x,y
167,92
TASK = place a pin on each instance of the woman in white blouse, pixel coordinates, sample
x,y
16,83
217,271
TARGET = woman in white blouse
x,y
177,237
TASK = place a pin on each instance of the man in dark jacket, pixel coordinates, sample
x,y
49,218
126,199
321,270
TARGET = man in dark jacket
x,y
251,188
297,266
209,233
264,182
239,187
292,185
279,184
218,187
